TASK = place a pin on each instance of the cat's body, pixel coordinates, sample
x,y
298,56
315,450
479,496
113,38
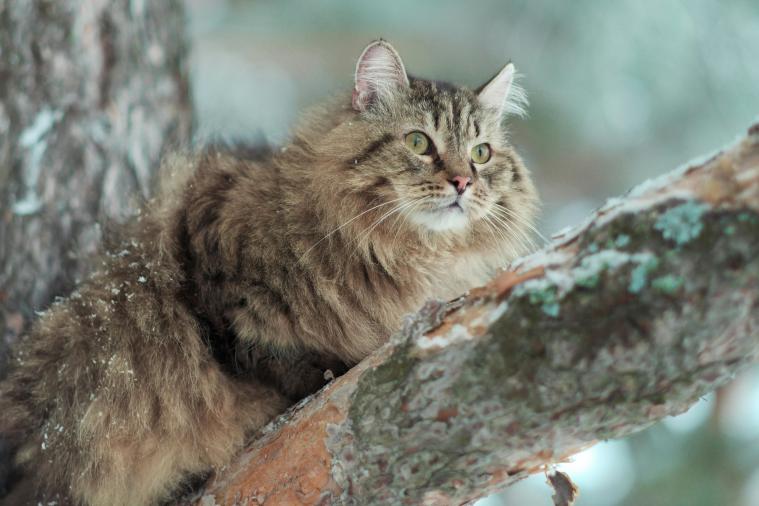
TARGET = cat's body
x,y
246,279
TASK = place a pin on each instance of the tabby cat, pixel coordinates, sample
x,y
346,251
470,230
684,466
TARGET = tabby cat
x,y
248,277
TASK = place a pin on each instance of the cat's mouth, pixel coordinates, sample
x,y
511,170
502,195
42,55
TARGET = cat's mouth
x,y
454,206
443,216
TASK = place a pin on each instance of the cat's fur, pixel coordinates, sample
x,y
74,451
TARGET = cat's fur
x,y
246,278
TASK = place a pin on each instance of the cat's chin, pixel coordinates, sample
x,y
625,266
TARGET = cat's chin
x,y
449,218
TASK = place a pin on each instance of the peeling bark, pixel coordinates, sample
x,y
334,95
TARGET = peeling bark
x,y
628,318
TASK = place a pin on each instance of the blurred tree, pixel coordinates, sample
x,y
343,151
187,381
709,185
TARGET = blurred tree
x,y
90,94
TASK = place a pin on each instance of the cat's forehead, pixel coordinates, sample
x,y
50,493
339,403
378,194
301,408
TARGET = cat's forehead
x,y
450,110
441,94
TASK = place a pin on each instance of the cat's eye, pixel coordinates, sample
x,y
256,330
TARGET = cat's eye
x,y
417,142
481,153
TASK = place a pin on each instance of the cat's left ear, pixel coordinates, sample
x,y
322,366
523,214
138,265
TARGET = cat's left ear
x,y
503,94
379,73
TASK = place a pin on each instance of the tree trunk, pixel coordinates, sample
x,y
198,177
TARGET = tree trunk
x,y
630,317
91,92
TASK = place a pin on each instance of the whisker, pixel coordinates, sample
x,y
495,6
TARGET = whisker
x,y
345,224
363,235
405,214
493,231
516,220
502,222
506,239
517,217
517,235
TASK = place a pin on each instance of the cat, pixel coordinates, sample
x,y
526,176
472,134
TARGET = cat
x,y
248,278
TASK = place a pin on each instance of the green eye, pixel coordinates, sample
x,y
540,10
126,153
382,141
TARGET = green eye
x,y
481,153
417,142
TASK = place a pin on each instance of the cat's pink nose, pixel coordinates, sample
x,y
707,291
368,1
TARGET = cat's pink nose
x,y
460,183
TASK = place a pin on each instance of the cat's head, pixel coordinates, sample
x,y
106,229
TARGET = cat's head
x,y
431,155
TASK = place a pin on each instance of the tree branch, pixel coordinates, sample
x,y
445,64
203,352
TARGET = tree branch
x,y
628,318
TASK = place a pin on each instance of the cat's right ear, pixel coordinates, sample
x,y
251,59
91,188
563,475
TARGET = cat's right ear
x,y
379,73
502,94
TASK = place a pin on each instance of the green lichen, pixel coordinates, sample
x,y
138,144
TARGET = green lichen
x,y
546,298
551,309
589,281
668,284
682,223
639,275
622,240
730,230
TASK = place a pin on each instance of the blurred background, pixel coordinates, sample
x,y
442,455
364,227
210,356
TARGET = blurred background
x,y
620,91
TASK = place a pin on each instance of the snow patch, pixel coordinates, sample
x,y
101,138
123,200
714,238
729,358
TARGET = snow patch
x,y
457,333
32,139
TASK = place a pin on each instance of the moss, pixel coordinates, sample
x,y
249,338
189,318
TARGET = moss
x,y
589,281
552,309
668,284
544,294
682,223
639,275
622,240
588,273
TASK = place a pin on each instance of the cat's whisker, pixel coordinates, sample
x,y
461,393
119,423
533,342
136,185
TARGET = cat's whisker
x,y
398,217
345,224
517,221
521,220
502,225
365,234
488,220
505,242
405,214
492,231
519,236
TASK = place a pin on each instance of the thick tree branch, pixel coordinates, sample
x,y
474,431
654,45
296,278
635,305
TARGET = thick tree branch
x,y
630,317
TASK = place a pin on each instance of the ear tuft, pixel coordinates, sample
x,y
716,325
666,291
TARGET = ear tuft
x,y
503,94
379,72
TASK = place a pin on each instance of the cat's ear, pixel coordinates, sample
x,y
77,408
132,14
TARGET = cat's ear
x,y
379,73
503,94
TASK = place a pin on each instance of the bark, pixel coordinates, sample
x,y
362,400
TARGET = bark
x,y
90,94
630,317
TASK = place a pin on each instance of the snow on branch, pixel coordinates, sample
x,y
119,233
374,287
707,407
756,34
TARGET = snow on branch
x,y
626,319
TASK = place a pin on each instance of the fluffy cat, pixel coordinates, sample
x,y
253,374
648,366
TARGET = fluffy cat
x,y
248,277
